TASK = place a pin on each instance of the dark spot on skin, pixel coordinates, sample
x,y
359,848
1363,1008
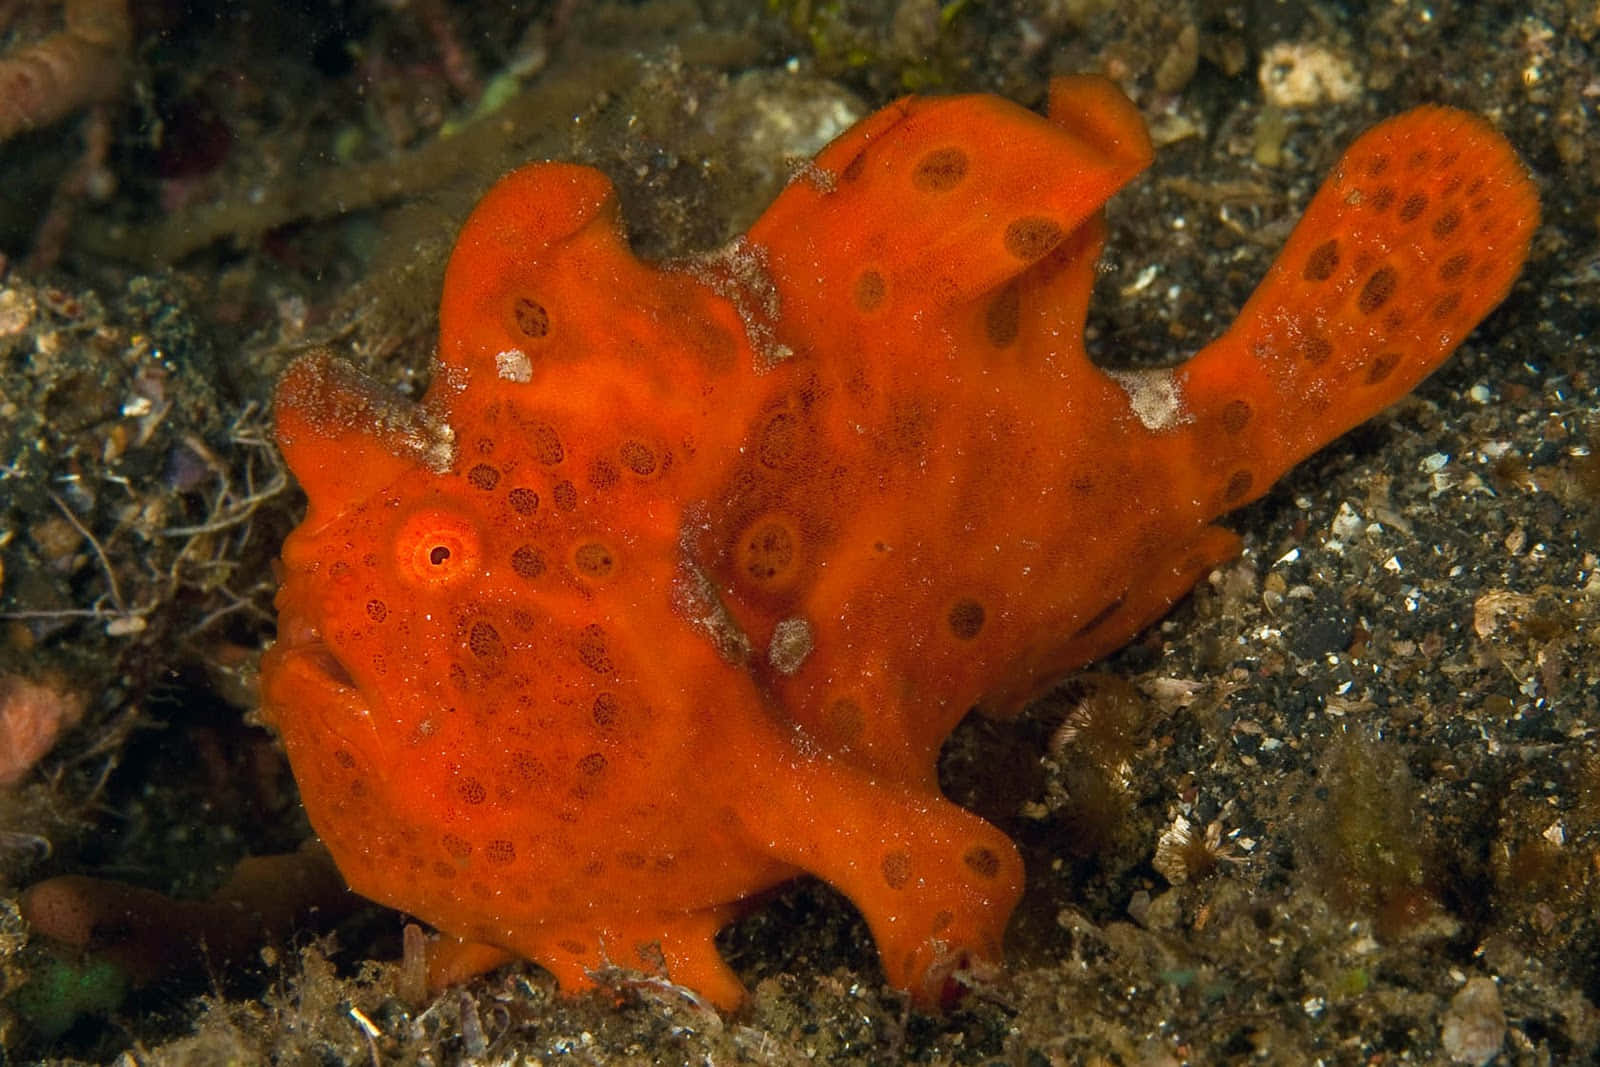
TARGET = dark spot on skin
x,y
344,759
532,319
638,457
1446,224
377,610
908,423
1382,367
1235,415
526,766
1414,206
457,847
1377,165
523,501
846,719
482,476
1446,306
940,170
768,551
594,560
546,444
527,562
592,765
1315,349
603,474
779,441
1322,262
1381,199
484,641
471,791
500,852
1238,485
1454,267
896,869
565,495
869,291
1002,319
438,555
607,709
981,861
965,618
443,870
592,650
1379,288
1032,237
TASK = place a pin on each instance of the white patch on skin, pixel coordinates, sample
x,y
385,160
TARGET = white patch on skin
x,y
792,641
1154,397
694,597
819,178
513,365
441,453
432,441
738,273
450,376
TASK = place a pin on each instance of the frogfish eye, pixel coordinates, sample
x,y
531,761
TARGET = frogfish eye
x,y
436,548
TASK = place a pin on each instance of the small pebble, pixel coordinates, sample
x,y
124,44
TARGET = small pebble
x,y
1475,1024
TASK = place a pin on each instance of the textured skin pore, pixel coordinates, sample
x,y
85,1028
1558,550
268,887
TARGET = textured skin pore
x,y
676,582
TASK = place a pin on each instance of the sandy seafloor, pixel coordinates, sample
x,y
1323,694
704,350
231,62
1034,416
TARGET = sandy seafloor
x,y
1388,706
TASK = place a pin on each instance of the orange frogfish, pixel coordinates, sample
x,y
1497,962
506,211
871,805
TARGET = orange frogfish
x,y
675,582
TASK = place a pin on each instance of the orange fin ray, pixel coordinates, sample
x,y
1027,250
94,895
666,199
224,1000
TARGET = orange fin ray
x,y
918,219
1415,237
